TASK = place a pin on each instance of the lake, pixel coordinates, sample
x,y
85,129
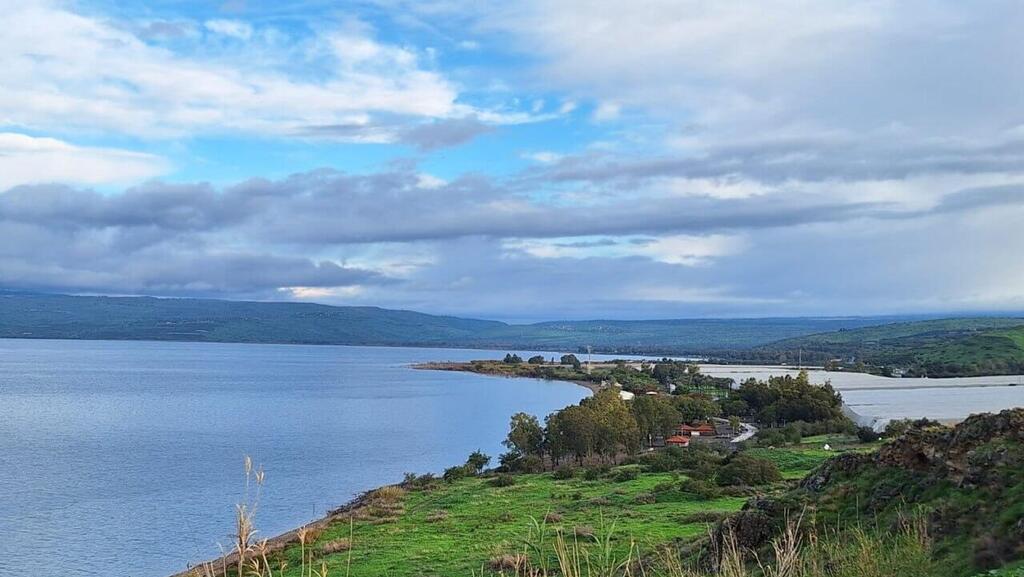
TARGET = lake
x,y
125,458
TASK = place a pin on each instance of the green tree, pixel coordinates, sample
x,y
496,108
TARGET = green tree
x,y
478,460
525,435
654,417
571,360
694,408
512,359
536,360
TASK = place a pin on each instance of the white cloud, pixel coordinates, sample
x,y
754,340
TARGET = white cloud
x,y
543,156
686,250
31,160
606,111
63,71
233,28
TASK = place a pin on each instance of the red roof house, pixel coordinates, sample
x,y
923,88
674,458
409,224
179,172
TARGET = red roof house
x,y
678,440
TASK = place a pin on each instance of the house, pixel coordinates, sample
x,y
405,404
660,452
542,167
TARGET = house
x,y
678,441
626,395
703,429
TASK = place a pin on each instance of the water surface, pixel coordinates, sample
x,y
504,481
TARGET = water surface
x,y
125,458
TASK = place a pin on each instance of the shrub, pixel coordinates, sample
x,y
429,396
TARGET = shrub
x,y
700,488
503,480
387,494
596,472
452,474
336,546
423,481
552,517
867,435
512,562
536,360
742,469
563,473
645,499
583,531
628,473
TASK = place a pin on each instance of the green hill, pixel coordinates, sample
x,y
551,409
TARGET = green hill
x,y
145,318
937,348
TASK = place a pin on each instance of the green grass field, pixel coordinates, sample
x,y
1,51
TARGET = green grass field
x,y
457,528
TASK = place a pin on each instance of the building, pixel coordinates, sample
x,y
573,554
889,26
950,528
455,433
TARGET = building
x,y
678,441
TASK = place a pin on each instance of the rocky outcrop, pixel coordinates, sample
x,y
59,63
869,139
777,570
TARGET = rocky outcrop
x,y
967,482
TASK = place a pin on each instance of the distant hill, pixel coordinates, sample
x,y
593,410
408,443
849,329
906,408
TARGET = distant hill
x,y
937,348
145,318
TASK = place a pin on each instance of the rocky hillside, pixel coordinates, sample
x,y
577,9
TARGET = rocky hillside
x,y
965,483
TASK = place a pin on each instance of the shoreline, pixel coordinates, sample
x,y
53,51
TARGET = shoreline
x,y
352,507
466,367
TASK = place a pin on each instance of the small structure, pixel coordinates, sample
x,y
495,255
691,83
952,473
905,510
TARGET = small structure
x,y
626,395
678,441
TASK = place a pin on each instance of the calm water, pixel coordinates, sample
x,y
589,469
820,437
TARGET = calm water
x,y
125,458
885,398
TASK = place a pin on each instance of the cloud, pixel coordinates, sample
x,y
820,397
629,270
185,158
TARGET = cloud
x,y
443,133
233,28
50,57
27,159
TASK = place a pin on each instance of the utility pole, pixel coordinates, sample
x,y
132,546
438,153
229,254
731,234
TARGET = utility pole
x,y
589,352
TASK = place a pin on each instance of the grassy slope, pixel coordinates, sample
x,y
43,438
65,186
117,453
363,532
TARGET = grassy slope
x,y
484,521
937,348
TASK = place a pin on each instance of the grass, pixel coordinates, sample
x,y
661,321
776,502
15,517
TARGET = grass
x,y
480,523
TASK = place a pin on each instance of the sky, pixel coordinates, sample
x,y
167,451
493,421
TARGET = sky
x,y
519,160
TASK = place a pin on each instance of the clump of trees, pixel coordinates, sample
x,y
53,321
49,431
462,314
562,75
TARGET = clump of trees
x,y
512,359
787,399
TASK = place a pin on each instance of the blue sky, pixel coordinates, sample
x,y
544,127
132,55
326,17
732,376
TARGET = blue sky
x,y
522,161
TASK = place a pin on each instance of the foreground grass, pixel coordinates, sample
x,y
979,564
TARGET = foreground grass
x,y
456,529
460,528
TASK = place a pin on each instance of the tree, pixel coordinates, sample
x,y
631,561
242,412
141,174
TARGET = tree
x,y
694,408
512,359
654,417
478,460
571,360
525,435
536,360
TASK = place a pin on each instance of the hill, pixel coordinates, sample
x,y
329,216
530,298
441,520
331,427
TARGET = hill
x,y
146,318
936,348
965,485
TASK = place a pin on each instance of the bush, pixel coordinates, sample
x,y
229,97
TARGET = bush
x,y
742,469
596,472
700,488
452,474
628,473
645,499
867,435
536,360
552,518
414,481
514,463
563,473
503,480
